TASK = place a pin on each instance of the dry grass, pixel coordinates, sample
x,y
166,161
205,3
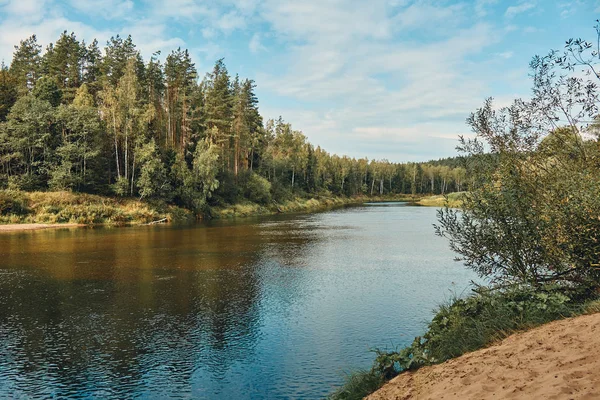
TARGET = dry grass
x,y
88,209
454,200
297,205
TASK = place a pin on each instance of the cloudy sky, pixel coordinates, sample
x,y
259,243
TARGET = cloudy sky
x,y
388,79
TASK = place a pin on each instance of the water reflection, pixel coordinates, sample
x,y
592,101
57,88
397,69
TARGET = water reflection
x,y
260,308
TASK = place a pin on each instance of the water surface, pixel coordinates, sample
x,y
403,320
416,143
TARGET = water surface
x,y
276,307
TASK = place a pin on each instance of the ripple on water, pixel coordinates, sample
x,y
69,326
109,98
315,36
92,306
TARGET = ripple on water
x,y
273,309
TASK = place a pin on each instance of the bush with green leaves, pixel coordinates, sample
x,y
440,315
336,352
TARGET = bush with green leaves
x,y
467,324
257,189
13,202
533,213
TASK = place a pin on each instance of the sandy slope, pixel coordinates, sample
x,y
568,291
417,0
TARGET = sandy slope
x,y
33,227
560,360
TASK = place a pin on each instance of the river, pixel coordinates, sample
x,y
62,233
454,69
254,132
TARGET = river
x,y
271,307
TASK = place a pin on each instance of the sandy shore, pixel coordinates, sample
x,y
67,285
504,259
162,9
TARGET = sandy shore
x,y
34,227
560,360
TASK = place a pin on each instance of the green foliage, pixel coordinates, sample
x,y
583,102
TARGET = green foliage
x,y
358,385
46,89
121,186
30,140
281,191
8,91
153,180
82,139
13,202
469,324
26,64
193,186
257,189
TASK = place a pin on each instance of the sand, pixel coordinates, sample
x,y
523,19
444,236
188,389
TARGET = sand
x,y
33,227
560,360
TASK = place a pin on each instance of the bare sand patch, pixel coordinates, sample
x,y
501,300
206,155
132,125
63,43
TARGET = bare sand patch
x,y
559,360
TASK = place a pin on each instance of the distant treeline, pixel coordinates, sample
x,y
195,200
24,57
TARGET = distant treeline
x,y
74,117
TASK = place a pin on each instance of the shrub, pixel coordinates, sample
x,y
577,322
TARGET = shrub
x,y
13,202
357,385
464,325
281,191
257,189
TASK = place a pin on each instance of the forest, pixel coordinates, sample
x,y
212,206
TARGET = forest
x,y
75,117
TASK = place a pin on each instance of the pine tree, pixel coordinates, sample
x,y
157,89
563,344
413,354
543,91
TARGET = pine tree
x,y
64,62
180,79
219,107
26,64
92,68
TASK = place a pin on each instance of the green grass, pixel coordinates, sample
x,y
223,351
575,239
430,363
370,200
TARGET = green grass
x,y
358,385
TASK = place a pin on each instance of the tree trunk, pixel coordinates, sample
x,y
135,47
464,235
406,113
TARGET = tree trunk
x,y
293,176
116,145
132,173
126,151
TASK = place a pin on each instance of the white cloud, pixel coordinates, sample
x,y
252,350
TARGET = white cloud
x,y
532,29
255,44
505,55
481,7
109,9
513,11
150,36
229,22
352,74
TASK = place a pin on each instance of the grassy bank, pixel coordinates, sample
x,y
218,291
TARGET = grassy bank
x,y
468,324
454,200
18,207
297,205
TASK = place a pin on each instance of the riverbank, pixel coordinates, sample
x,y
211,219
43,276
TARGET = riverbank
x,y
556,360
299,205
467,324
41,210
452,200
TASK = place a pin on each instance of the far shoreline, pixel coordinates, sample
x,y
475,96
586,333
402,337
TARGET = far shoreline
x,y
151,215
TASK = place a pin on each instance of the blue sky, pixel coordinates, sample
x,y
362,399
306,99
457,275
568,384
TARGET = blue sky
x,y
390,79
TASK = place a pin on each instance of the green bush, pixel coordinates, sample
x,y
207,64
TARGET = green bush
x,y
281,191
257,189
358,385
13,202
477,321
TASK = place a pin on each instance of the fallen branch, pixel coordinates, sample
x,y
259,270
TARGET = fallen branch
x,y
160,221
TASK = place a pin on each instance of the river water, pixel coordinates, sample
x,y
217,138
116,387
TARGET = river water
x,y
272,307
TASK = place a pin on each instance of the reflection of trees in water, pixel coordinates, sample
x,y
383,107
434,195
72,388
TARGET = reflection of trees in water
x,y
124,329
126,311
